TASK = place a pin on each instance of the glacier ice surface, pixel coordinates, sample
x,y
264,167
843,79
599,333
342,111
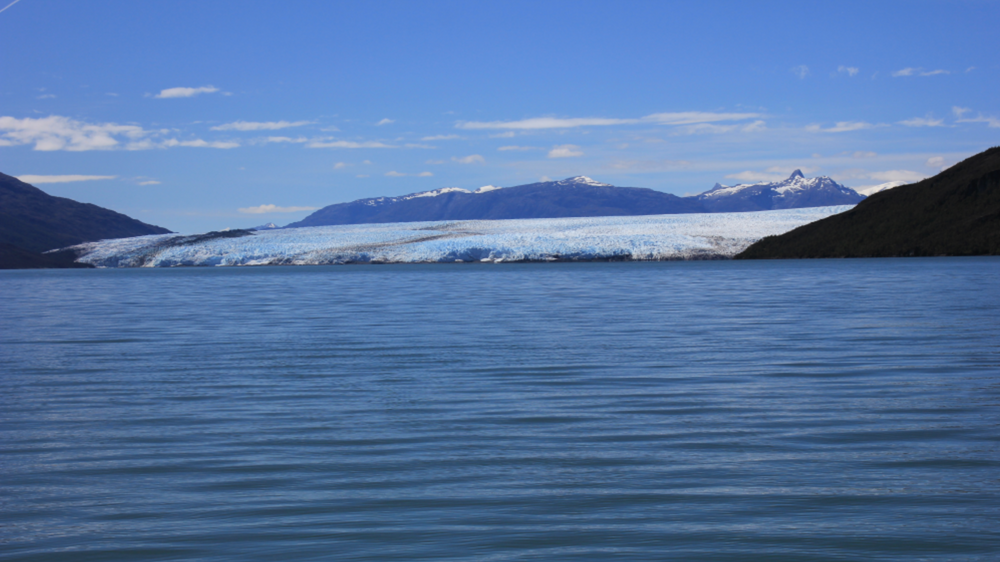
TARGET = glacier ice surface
x,y
649,237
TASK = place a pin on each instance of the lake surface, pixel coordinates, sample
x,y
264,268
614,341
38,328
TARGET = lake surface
x,y
779,410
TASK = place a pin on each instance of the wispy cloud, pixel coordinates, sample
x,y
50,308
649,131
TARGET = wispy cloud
x,y
850,70
62,133
440,137
937,162
348,144
149,182
283,140
960,117
864,154
897,175
385,121
35,180
713,129
673,118
9,5
470,159
801,71
264,209
260,125
909,71
506,148
565,151
842,126
923,122
199,143
395,174
185,92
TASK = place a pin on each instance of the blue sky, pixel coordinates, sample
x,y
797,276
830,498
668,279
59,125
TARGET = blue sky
x,y
211,114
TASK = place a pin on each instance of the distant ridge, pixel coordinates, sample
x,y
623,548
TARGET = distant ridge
x,y
573,197
32,222
955,213
580,196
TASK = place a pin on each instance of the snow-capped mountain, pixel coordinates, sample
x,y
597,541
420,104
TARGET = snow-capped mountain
x,y
268,226
869,191
795,192
579,196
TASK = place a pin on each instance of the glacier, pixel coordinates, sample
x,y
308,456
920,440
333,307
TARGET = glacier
x,y
648,237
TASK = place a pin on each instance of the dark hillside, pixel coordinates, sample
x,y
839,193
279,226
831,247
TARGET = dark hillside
x,y
33,221
955,213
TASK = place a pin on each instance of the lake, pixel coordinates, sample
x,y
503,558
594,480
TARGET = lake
x,y
713,410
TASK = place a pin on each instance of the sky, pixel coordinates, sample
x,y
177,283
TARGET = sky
x,y
211,114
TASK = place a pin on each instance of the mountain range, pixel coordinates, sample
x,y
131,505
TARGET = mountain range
x,y
581,197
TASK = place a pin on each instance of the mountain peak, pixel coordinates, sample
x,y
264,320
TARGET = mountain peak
x,y
796,174
583,180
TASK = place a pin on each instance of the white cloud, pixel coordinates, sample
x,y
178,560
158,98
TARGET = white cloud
x,y
339,165
61,179
754,127
970,69
416,145
199,143
470,159
285,139
864,154
991,121
506,148
850,70
185,92
544,123
937,162
440,137
897,175
424,175
260,126
673,118
62,133
434,162
46,96
385,121
960,111
910,71
149,182
565,151
801,71
923,122
841,126
507,135
264,209
347,144
395,174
